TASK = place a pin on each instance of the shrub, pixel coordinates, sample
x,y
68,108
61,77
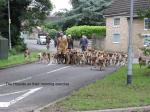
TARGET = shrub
x,y
146,51
19,48
78,31
52,33
12,52
52,25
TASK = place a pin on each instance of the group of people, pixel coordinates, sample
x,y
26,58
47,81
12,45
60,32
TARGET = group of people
x,y
64,43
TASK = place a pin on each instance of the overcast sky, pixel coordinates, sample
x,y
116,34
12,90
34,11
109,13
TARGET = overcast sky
x,y
60,4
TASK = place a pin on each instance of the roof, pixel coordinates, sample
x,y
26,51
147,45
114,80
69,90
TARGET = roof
x,y
122,7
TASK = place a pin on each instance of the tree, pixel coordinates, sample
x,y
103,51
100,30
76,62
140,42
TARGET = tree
x,y
3,14
25,14
144,13
88,12
36,13
83,12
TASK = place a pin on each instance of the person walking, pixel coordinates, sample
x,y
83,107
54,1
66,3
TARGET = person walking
x,y
62,45
70,42
83,43
48,40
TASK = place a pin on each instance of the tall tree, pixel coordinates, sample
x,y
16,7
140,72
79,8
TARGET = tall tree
x,y
26,13
85,12
90,12
3,14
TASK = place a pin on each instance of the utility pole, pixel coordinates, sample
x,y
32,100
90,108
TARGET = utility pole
x,y
130,50
9,22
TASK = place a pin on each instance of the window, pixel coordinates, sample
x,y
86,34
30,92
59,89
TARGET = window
x,y
146,40
116,38
147,23
116,21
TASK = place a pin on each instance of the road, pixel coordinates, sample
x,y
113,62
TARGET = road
x,y
32,45
28,87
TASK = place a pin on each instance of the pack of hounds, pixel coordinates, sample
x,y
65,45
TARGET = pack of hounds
x,y
95,58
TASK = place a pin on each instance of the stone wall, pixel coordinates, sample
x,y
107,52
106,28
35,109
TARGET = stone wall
x,y
98,45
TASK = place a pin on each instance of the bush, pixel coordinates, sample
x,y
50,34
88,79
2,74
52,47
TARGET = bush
x,y
12,52
52,25
52,33
18,49
146,51
78,31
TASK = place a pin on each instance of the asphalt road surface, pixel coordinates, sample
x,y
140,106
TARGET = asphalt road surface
x,y
32,45
29,87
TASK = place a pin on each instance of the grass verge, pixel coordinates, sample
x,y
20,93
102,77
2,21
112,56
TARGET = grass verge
x,y
17,59
112,92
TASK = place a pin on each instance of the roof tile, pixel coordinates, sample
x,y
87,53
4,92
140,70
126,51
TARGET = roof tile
x,y
122,7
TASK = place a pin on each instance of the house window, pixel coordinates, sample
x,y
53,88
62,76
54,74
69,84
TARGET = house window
x,y
116,38
147,40
147,23
116,21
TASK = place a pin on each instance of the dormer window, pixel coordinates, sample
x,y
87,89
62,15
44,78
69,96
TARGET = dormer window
x,y
147,23
116,21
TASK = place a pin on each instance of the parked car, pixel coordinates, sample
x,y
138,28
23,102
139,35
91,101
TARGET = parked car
x,y
41,39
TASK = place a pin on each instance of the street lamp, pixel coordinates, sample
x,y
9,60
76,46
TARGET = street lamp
x,y
9,22
130,50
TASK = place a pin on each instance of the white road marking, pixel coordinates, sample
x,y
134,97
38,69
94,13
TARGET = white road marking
x,y
58,69
7,94
16,81
7,104
36,75
22,80
4,104
2,85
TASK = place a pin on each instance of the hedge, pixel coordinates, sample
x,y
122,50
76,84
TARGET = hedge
x,y
78,31
52,32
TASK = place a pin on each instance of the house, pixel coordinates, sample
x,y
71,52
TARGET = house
x,y
117,23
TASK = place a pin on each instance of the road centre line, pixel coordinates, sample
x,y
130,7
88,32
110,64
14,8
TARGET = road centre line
x,y
16,81
58,69
35,76
22,80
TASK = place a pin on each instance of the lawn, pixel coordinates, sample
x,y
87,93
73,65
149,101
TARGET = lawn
x,y
17,59
112,92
